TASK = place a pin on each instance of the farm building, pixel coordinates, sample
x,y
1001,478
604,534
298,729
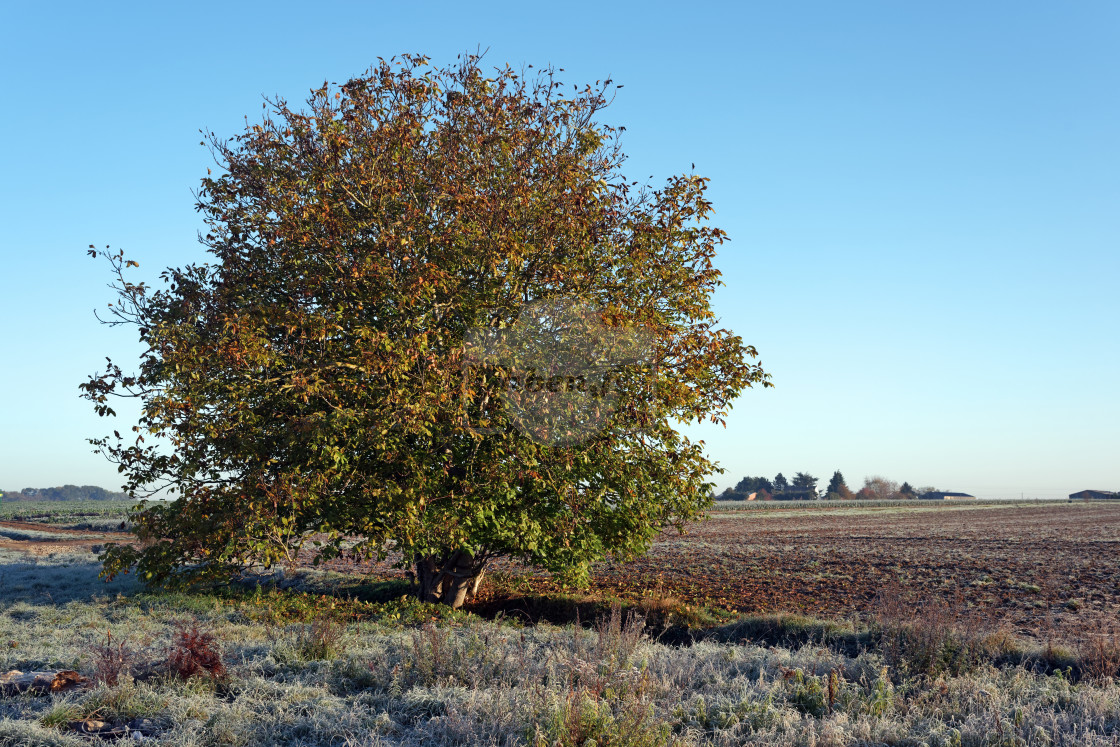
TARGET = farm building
x,y
939,495
1091,495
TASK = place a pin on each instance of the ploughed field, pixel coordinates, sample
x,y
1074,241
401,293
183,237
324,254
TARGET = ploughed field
x,y
1040,571
1037,570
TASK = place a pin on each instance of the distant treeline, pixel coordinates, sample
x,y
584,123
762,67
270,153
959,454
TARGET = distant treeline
x,y
64,493
804,487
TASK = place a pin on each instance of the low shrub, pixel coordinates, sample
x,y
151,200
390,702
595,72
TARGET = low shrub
x,y
1098,654
619,636
194,652
113,659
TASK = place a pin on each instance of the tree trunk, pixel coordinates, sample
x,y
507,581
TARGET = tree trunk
x,y
450,578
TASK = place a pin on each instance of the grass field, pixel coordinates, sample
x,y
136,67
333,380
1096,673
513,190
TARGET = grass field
x,y
341,658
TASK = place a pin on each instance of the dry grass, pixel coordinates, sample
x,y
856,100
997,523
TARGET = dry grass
x,y
1098,653
113,659
922,675
467,681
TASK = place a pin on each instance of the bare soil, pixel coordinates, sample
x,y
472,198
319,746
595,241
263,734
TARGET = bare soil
x,y
1038,571
59,539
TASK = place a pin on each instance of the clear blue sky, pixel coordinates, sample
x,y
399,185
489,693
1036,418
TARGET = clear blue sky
x,y
923,201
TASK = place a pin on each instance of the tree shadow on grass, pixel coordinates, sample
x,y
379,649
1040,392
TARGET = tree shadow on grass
x,y
668,628
793,631
57,578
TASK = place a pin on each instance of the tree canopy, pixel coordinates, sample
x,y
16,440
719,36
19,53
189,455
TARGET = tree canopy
x,y
328,374
804,481
837,488
753,484
780,483
877,487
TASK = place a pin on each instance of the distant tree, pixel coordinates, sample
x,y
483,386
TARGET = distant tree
x,y
804,481
881,488
907,491
763,494
745,487
865,494
781,485
750,485
837,488
926,489
835,483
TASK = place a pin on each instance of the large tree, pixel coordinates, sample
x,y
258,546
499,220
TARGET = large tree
x,y
398,343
